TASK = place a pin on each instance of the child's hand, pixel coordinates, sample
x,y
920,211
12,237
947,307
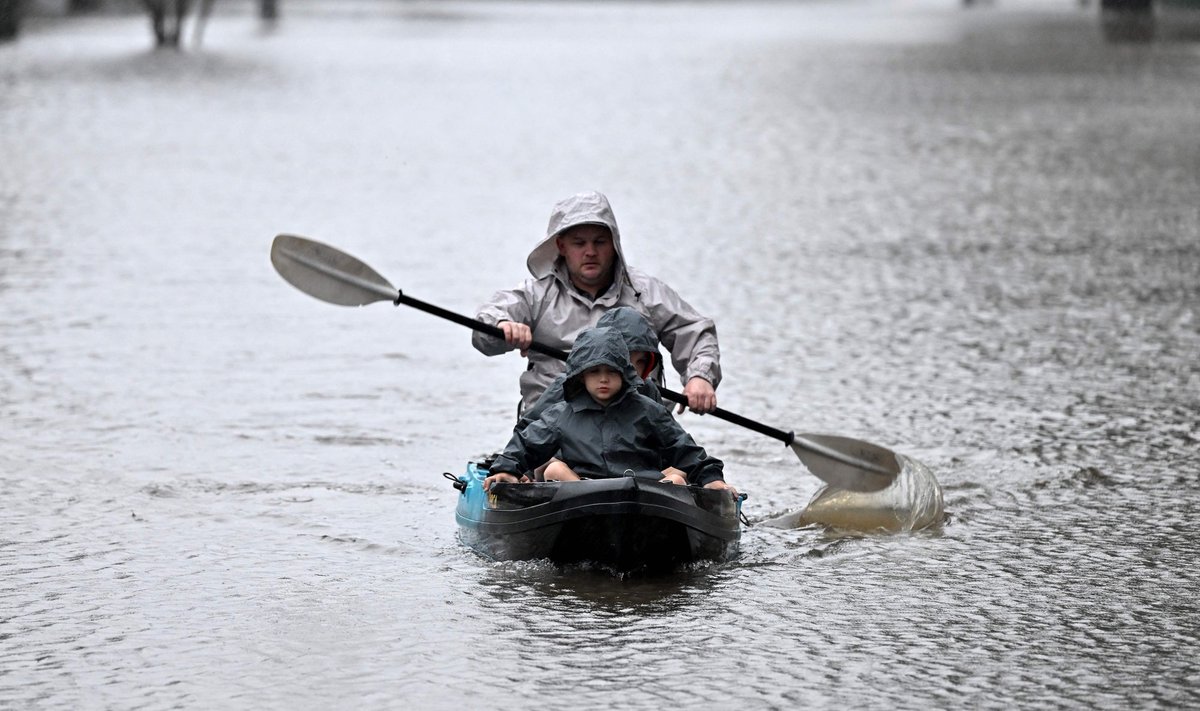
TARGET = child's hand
x,y
718,484
499,476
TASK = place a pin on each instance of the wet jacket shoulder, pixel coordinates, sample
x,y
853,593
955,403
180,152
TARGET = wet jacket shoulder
x,y
678,449
689,336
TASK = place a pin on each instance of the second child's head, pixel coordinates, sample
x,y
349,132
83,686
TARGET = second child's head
x,y
603,383
643,362
639,335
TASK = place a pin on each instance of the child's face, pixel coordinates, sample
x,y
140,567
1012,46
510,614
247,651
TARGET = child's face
x,y
602,383
642,362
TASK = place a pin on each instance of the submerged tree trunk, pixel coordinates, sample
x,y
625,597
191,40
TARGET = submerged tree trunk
x,y
10,19
202,15
76,7
166,20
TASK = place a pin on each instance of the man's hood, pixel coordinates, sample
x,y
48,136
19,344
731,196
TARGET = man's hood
x,y
590,208
634,327
599,346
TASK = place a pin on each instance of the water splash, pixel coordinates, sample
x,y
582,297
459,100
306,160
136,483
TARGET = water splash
x,y
913,502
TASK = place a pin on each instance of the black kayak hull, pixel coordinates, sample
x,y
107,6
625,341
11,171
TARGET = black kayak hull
x,y
625,524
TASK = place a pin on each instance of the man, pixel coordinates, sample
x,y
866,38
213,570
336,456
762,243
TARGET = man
x,y
579,272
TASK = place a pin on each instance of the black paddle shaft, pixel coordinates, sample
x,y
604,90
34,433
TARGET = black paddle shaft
x,y
470,323
786,437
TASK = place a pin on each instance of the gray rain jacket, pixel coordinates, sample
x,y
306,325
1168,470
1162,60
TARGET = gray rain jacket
x,y
557,312
631,436
638,337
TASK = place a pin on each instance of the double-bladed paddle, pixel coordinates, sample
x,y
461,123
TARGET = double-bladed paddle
x,y
331,275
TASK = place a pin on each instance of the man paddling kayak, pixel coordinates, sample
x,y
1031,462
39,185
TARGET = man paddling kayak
x,y
579,272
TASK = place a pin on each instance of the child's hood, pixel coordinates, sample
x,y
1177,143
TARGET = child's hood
x,y
599,346
634,327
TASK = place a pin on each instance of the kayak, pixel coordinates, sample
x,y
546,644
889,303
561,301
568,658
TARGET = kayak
x,y
626,524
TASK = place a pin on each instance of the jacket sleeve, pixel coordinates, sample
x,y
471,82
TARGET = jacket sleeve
x,y
650,389
552,396
679,450
530,446
515,305
689,336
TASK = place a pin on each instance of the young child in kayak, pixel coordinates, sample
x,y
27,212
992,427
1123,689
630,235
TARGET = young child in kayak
x,y
643,355
604,428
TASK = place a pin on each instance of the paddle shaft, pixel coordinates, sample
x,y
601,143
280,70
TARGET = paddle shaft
x,y
496,332
327,273
785,437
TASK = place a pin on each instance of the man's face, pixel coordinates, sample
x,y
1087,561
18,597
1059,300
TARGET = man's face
x,y
589,253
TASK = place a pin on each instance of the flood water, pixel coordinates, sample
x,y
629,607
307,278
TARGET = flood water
x,y
970,235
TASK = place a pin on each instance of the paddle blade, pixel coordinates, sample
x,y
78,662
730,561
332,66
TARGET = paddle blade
x,y
846,463
327,273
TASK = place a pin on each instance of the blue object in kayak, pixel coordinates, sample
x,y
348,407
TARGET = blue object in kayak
x,y
627,524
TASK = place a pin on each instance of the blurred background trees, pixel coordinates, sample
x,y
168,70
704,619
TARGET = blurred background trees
x,y
10,19
167,17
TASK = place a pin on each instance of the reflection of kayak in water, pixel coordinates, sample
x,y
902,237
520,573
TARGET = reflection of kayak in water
x,y
912,502
628,524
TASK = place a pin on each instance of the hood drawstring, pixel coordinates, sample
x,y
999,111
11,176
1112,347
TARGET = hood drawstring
x,y
637,295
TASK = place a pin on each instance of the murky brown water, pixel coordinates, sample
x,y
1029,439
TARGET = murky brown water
x,y
971,236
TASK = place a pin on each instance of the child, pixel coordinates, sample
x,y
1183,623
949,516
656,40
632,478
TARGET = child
x,y
643,354
603,428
